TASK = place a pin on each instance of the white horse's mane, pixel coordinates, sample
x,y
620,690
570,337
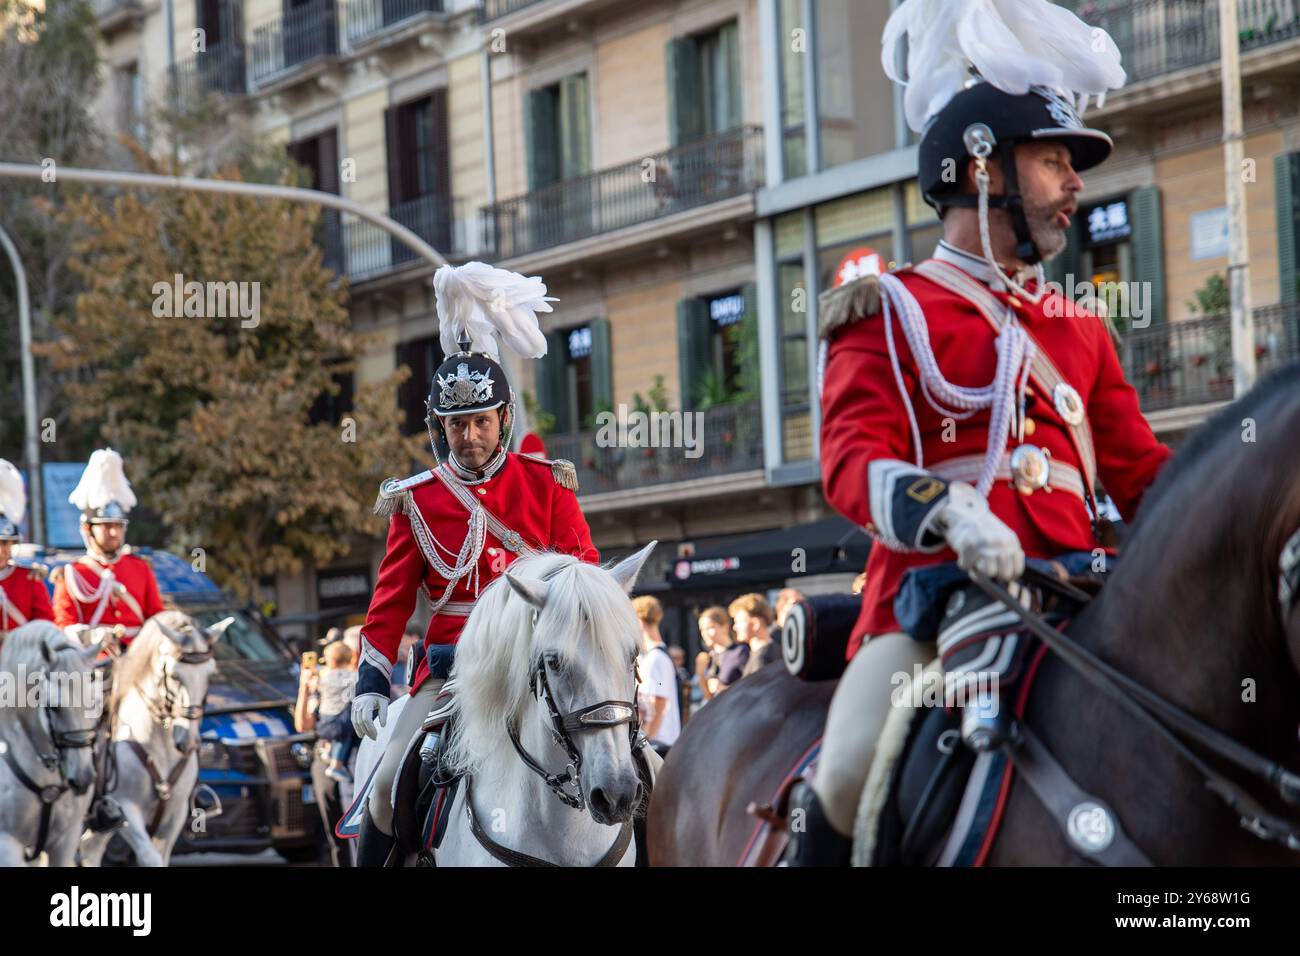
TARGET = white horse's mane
x,y
587,618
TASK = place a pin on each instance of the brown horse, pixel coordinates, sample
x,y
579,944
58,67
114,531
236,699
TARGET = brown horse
x,y
1194,612
736,750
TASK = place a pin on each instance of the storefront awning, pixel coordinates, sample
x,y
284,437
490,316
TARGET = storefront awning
x,y
768,558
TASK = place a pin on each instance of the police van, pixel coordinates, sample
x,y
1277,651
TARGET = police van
x,y
253,766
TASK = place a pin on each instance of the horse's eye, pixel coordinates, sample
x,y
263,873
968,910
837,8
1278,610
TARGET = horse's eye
x,y
554,663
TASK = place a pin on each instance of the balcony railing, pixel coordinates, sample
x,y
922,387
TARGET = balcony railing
x,y
731,440
1189,363
304,34
368,251
218,69
492,9
703,171
366,18
111,10
1161,36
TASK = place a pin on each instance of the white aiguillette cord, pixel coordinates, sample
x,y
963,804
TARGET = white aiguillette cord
x,y
1005,396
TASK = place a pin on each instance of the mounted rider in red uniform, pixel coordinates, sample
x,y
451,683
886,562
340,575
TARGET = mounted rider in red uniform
x,y
109,587
23,596
454,529
968,413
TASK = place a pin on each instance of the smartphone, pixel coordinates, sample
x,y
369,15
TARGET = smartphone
x,y
309,659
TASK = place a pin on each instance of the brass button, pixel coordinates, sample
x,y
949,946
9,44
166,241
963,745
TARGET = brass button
x,y
482,491
1014,302
1029,426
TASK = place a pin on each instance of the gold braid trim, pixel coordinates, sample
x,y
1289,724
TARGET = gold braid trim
x,y
849,303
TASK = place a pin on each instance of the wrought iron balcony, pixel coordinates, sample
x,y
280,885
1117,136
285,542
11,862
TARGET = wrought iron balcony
x,y
731,441
304,34
368,252
494,9
218,69
1190,362
1161,36
694,174
366,19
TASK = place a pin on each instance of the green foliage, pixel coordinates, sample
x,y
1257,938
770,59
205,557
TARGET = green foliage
x,y
1213,298
539,419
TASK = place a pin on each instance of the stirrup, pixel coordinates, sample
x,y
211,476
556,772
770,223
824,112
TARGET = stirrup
x,y
815,842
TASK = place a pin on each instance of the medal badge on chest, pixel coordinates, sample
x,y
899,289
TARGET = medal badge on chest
x,y
1068,404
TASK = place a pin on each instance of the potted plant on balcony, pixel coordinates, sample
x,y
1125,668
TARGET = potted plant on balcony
x,y
1214,299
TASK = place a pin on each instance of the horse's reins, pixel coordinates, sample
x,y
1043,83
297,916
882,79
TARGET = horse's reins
x,y
1157,714
60,740
163,709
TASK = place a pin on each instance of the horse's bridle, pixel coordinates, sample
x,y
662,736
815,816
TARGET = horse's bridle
x,y
51,760
162,706
1169,721
608,713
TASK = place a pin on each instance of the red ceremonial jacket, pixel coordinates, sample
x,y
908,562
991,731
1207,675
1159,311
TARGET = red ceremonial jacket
x,y
864,420
128,569
523,494
24,591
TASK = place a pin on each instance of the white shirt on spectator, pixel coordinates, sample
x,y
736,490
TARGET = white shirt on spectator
x,y
659,679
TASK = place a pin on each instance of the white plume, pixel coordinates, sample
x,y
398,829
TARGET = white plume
x,y
13,496
487,302
1013,44
104,480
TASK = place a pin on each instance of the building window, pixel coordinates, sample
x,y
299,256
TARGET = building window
x,y
558,129
573,380
855,100
794,115
717,348
422,357
419,171
319,157
704,84
332,406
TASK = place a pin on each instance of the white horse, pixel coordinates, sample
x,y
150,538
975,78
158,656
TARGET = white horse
x,y
544,719
159,685
47,733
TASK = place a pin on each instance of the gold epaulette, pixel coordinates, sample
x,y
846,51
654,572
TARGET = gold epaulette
x,y
564,472
38,571
395,492
848,303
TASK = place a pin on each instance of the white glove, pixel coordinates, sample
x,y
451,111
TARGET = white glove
x,y
369,713
980,538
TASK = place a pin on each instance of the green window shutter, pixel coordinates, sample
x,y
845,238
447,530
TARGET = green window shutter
x,y
552,381
1149,245
1285,195
541,123
694,349
747,345
602,366
729,42
685,109
575,127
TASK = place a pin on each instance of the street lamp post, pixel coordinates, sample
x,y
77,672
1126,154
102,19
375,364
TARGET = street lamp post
x,y
31,447
1243,328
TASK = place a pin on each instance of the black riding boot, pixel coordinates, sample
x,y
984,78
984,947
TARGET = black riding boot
x,y
374,846
813,841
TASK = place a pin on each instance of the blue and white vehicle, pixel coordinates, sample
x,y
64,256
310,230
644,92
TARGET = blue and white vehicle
x,y
250,757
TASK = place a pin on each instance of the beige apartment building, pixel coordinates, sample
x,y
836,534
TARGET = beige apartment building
x,y
688,175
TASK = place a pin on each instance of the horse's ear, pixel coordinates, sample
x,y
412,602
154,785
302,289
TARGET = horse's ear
x,y
532,591
216,630
625,571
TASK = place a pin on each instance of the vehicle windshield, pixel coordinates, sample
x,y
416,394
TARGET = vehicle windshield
x,y
244,640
